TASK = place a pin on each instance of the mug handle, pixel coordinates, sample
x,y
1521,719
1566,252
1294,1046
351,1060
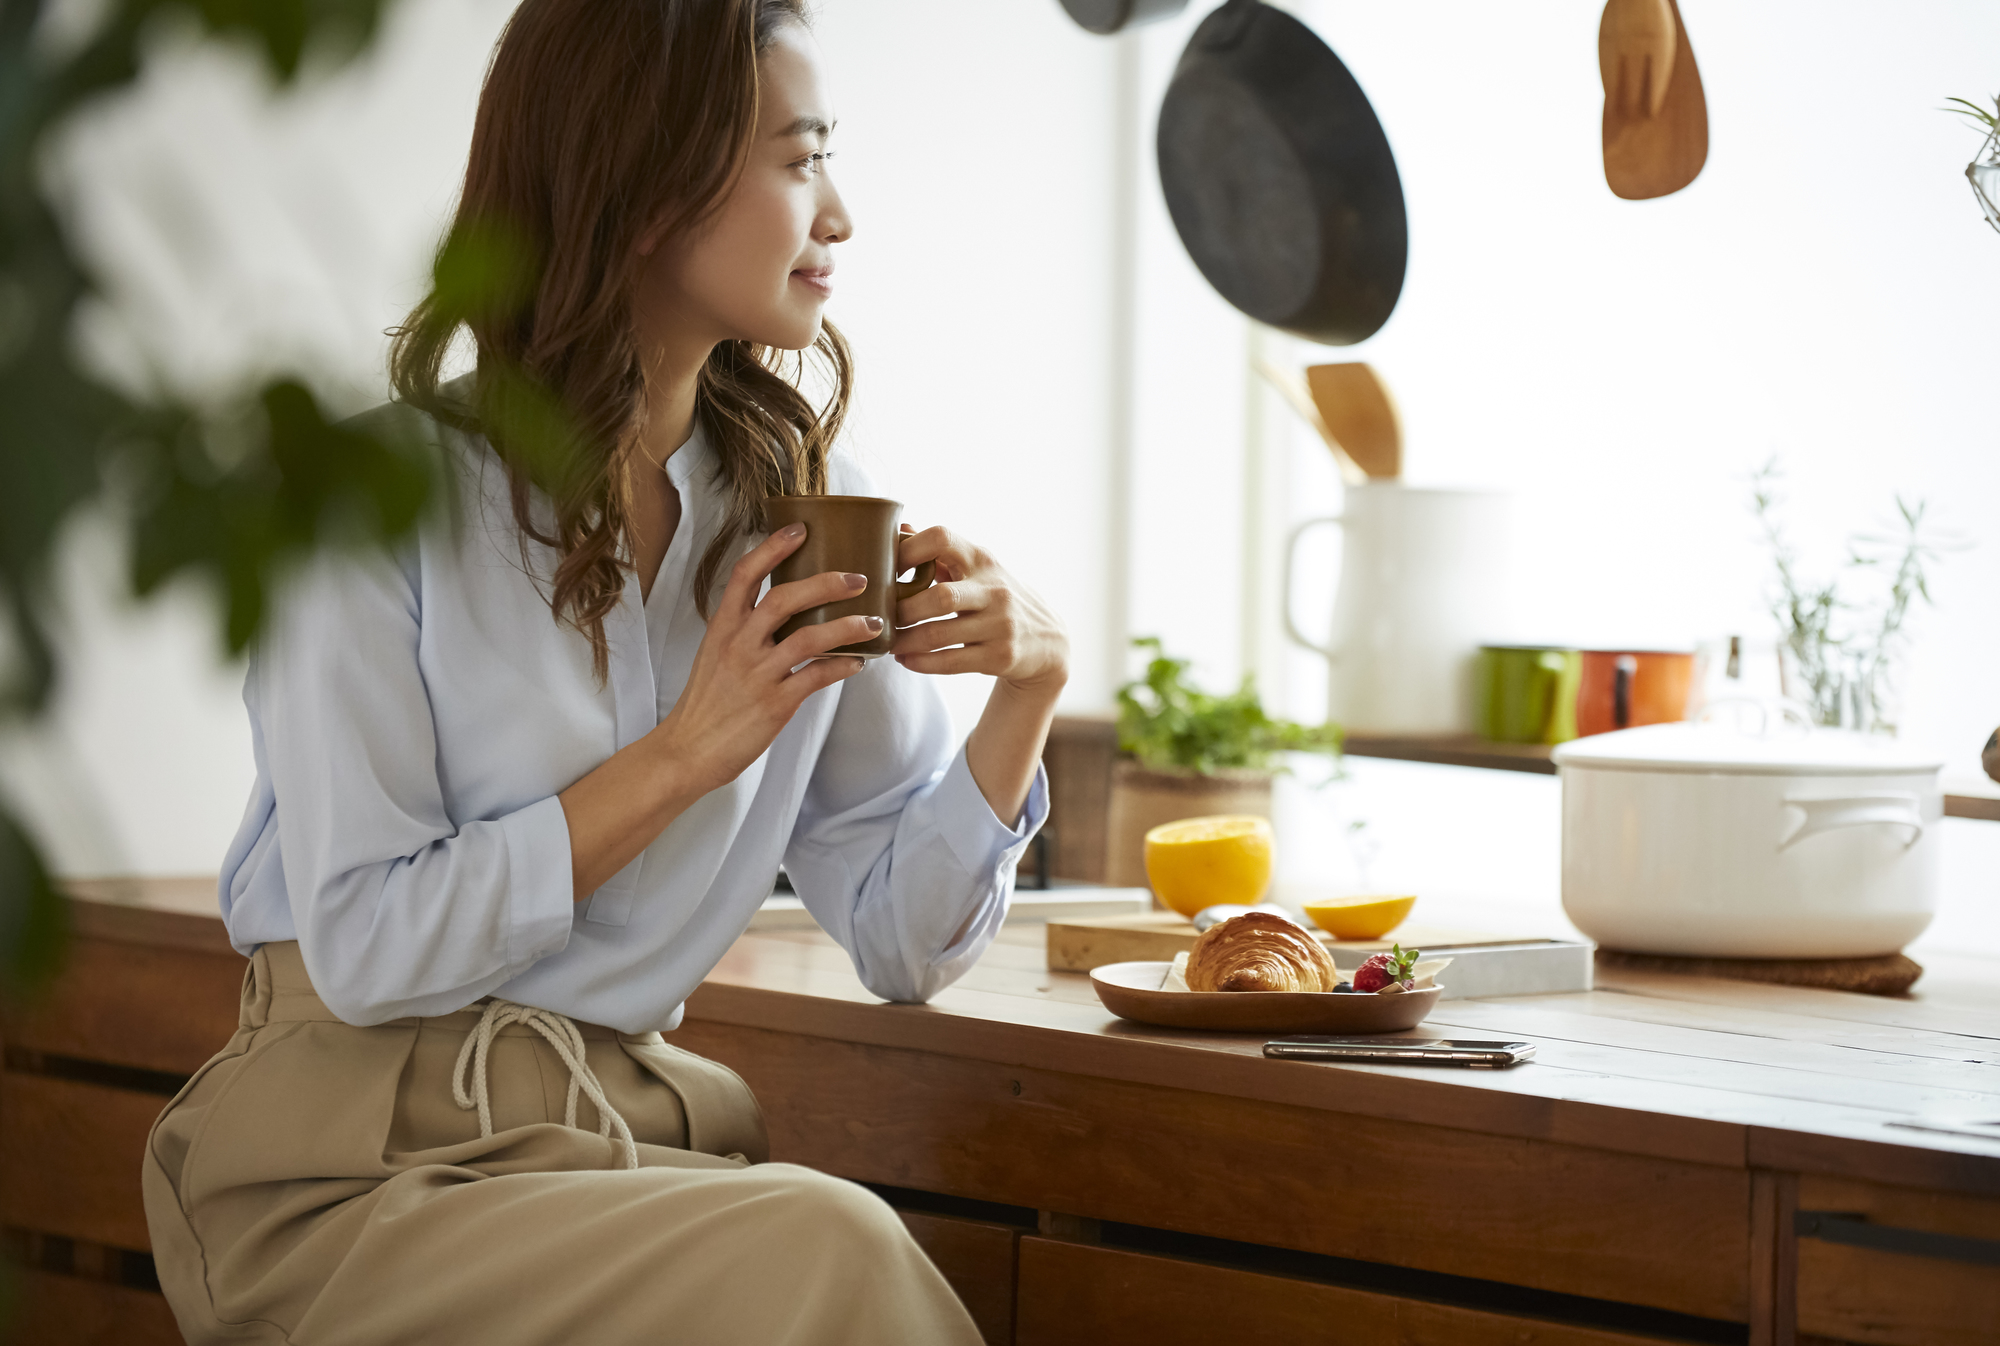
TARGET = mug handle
x,y
1291,554
926,574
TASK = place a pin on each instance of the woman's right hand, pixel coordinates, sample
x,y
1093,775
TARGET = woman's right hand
x,y
743,689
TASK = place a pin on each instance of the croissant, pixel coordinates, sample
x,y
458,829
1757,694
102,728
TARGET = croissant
x,y
1258,951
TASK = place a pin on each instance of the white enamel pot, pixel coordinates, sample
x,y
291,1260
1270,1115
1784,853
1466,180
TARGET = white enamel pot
x,y
1704,840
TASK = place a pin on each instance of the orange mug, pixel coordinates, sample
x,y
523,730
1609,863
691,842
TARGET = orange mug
x,y
1623,688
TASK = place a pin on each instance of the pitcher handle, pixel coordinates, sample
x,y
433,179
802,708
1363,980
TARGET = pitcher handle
x,y
1291,554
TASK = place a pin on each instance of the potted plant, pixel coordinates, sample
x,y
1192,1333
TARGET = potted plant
x,y
1838,648
1186,754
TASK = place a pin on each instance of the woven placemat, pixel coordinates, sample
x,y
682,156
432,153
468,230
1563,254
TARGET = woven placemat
x,y
1890,974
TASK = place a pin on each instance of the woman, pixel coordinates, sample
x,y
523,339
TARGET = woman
x,y
521,783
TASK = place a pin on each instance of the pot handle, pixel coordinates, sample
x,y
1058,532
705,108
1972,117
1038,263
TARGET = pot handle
x,y
1291,553
1895,808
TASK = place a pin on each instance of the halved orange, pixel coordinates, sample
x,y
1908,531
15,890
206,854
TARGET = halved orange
x,y
1364,917
1198,862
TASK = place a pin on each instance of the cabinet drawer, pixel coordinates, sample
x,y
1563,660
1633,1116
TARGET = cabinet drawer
x,y
1919,1295
69,1159
1074,1294
977,1258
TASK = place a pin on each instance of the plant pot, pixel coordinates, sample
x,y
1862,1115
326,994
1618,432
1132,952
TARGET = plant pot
x,y
1142,798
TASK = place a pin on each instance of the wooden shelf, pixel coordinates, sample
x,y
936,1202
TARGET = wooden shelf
x,y
1470,750
1454,750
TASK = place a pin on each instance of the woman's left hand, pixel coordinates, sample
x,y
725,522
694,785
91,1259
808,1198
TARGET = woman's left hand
x,y
1001,626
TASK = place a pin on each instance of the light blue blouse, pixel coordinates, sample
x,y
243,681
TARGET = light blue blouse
x,y
415,714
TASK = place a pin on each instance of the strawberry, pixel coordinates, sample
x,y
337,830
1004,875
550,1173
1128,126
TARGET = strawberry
x,y
1383,968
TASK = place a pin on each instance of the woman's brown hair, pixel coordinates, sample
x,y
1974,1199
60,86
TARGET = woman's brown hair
x,y
599,120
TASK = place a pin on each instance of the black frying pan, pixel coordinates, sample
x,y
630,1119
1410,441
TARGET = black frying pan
x,y
1279,178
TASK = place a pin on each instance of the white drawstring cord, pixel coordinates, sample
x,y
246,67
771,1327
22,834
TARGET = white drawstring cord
x,y
562,1034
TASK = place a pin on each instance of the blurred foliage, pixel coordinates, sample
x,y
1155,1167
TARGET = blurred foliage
x,y
235,492
1167,722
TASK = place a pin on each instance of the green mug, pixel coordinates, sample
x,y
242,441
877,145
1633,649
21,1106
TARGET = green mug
x,y
1527,693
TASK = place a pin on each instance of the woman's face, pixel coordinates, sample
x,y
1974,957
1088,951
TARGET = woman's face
x,y
761,268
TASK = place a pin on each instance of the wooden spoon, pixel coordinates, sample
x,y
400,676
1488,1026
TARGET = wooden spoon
x,y
1358,413
1648,154
1300,397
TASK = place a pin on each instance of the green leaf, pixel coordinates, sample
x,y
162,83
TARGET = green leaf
x,y
34,919
240,500
1167,722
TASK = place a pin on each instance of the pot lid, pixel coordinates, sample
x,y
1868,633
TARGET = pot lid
x,y
1788,748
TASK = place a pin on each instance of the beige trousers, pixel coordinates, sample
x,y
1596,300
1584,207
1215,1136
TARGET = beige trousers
x,y
316,1183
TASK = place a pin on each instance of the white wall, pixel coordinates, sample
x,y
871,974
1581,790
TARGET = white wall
x,y
248,234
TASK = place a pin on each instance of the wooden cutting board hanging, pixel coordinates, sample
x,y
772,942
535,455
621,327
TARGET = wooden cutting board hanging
x,y
1648,154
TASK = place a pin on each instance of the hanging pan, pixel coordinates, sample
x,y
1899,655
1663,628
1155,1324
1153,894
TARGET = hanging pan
x,y
1112,16
1279,178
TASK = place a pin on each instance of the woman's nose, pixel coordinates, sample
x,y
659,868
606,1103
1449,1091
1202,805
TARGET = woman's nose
x,y
834,225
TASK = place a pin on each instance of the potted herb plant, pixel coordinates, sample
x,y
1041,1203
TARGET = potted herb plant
x,y
1186,754
1838,648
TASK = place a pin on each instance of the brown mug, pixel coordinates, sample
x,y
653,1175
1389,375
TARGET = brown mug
x,y
853,534
1623,688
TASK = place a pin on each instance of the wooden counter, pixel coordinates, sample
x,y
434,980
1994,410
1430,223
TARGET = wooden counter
x,y
1685,1160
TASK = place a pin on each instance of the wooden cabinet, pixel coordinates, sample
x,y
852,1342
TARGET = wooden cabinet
x,y
977,1258
148,995
1079,1180
1531,1213
1892,1266
1076,1295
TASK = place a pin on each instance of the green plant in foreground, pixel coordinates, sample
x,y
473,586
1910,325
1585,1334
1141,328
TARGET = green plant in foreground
x,y
236,491
1166,722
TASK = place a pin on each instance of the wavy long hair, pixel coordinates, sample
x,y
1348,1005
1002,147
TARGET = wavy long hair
x,y
599,120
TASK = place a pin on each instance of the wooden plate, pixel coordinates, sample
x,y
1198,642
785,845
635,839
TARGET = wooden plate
x,y
1131,991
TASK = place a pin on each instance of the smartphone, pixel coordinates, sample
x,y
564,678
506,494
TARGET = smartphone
x,y
1406,1051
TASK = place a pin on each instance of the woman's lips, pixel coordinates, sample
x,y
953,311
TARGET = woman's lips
x,y
820,280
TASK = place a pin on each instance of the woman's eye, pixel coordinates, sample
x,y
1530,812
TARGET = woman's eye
x,y
815,162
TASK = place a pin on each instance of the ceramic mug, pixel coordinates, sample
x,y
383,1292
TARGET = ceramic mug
x,y
1624,688
1526,693
854,534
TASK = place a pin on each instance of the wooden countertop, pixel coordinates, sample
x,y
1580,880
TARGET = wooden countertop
x,y
1708,1071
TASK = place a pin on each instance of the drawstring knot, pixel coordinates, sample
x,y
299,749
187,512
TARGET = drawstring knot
x,y
469,1080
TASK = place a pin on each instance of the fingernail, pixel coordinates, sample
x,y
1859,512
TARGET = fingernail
x,y
796,530
857,581
874,623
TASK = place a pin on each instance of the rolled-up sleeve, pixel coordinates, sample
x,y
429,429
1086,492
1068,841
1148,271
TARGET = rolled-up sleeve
x,y
399,908
896,852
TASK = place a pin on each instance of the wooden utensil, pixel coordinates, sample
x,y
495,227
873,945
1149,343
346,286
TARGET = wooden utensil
x,y
1355,408
1300,397
1635,54
1657,152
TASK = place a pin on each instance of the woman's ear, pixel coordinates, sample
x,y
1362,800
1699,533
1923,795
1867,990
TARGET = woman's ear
x,y
650,239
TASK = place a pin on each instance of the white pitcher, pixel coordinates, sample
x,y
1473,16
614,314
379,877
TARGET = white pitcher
x,y
1422,586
